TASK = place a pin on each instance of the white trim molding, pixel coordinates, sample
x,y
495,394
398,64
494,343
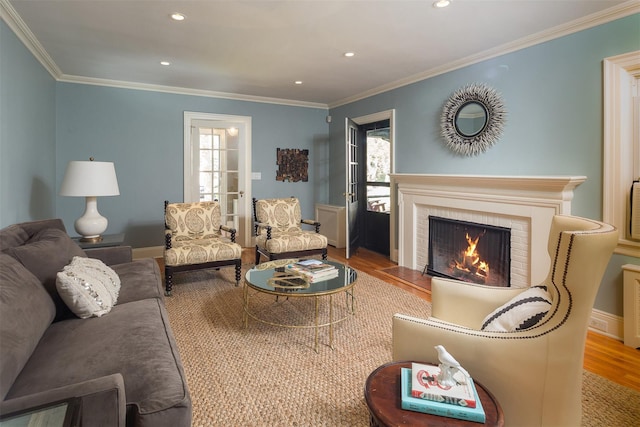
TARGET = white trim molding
x,y
22,31
613,325
24,34
525,204
621,157
599,18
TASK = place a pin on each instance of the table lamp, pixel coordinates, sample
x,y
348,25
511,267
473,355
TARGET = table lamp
x,y
90,179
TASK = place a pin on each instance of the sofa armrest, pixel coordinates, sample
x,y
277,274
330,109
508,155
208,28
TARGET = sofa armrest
x,y
111,255
102,399
466,304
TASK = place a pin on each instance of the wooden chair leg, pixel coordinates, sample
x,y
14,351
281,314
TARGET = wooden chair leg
x,y
257,256
238,271
324,254
168,281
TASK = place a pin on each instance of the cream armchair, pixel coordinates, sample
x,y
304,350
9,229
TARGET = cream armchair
x,y
536,373
193,240
279,233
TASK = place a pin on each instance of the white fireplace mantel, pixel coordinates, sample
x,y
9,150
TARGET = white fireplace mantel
x,y
526,204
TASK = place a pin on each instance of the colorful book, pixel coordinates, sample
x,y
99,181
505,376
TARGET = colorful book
x,y
425,385
315,277
314,269
415,404
313,266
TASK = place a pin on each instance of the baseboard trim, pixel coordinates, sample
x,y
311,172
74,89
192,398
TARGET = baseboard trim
x,y
615,324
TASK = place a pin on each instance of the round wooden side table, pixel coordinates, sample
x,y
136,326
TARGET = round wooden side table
x,y
382,394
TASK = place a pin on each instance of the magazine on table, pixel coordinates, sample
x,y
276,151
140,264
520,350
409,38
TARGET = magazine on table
x,y
408,402
425,385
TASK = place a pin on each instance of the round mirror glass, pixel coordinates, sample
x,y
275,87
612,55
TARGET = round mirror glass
x,y
471,119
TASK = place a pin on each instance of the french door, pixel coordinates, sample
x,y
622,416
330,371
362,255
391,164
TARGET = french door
x,y
352,190
217,159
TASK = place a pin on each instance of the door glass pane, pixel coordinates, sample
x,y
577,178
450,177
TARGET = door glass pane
x,y
353,170
378,198
378,170
218,170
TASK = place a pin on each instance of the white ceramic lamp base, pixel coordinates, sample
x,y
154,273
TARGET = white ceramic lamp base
x,y
91,224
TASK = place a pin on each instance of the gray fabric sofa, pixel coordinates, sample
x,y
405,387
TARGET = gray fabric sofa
x,y
124,366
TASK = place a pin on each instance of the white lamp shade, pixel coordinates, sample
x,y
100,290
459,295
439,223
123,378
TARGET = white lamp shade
x,y
89,178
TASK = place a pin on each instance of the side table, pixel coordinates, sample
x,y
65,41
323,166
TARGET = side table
x,y
64,413
107,240
382,394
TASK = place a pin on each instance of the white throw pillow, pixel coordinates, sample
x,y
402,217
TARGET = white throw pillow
x,y
522,312
89,289
102,272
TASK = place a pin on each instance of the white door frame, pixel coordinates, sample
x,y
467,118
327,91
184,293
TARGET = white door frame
x,y
244,164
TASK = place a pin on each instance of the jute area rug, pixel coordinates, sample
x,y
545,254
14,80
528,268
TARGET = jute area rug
x,y
271,376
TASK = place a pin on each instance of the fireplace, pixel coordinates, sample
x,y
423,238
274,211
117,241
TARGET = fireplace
x,y
469,251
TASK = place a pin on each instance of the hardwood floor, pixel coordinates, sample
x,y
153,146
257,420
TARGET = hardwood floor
x,y
604,356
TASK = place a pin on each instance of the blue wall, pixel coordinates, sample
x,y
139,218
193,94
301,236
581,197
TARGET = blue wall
x,y
142,133
553,93
553,96
27,134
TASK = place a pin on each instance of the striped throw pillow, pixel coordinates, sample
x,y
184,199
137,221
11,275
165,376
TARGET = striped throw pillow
x,y
522,312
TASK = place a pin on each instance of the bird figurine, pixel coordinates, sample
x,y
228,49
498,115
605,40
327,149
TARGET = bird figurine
x,y
448,367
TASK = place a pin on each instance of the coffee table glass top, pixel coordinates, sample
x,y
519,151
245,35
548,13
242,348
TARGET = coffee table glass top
x,y
259,278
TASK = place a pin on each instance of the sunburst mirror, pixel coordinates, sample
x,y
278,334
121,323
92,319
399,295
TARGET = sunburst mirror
x,y
473,119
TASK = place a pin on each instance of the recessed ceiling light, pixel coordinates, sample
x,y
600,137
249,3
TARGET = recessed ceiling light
x,y
165,63
298,82
442,3
349,54
177,16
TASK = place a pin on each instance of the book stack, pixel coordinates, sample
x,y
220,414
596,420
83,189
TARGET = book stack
x,y
421,392
314,270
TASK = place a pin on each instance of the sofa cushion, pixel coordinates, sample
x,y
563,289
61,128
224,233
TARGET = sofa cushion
x,y
88,287
26,311
140,279
523,311
45,254
135,340
12,236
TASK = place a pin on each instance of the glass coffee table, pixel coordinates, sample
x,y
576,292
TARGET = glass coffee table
x,y
272,278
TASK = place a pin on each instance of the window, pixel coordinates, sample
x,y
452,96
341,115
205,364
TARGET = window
x,y
621,144
378,167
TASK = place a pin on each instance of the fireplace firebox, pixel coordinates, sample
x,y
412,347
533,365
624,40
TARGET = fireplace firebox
x,y
468,251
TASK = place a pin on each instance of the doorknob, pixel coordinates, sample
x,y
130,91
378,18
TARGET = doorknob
x,y
241,193
348,194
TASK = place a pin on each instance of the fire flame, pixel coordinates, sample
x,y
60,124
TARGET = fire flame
x,y
471,264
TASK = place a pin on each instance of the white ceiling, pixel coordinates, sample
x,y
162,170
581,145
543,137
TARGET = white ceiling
x,y
258,48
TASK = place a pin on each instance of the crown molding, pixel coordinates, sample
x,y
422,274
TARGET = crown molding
x,y
24,34
66,78
620,11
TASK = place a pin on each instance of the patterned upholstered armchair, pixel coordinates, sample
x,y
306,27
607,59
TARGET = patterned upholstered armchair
x,y
194,240
279,233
